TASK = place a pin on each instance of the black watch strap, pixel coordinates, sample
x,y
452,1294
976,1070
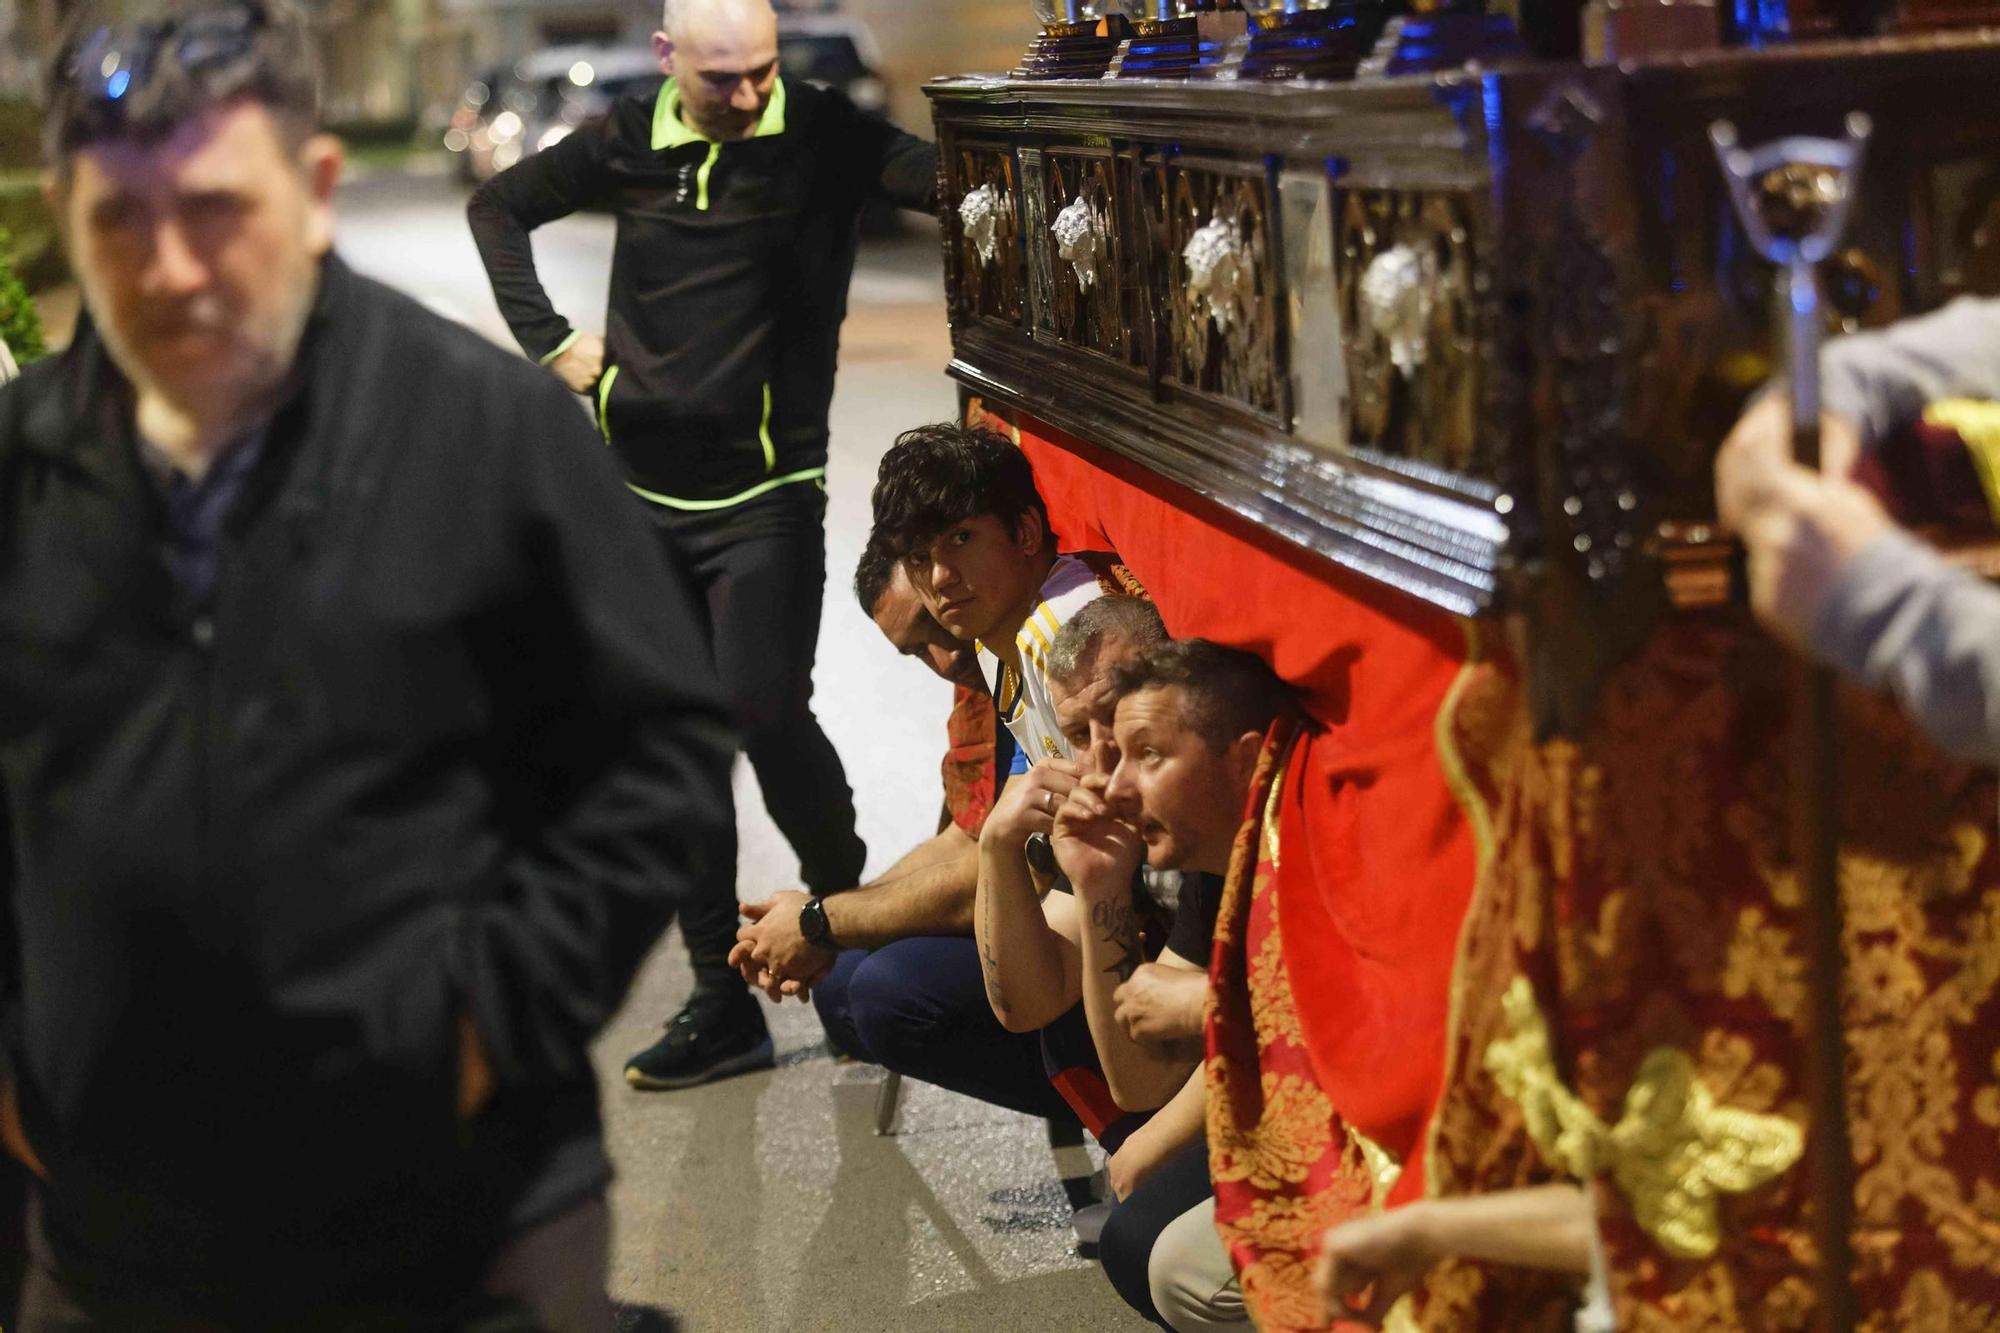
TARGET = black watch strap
x,y
813,924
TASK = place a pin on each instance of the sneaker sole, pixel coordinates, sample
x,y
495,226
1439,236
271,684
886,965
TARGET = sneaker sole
x,y
761,1056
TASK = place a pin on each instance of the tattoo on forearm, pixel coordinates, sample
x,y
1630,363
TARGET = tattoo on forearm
x,y
988,963
1118,926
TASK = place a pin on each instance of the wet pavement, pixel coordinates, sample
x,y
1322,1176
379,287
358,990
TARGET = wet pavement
x,y
767,1202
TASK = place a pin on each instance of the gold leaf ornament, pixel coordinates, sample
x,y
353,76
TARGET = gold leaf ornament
x,y
1673,1151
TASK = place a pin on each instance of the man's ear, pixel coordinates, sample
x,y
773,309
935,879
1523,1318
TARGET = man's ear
x,y
663,51
1031,534
1242,759
55,194
321,158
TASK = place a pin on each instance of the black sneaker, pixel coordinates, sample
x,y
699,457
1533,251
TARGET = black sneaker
x,y
713,1036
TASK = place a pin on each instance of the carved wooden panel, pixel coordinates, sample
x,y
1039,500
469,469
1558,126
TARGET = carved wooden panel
x,y
1225,332
1146,251
1409,289
1081,236
982,211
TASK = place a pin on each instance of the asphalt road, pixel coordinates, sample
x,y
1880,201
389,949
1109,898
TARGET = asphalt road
x,y
767,1202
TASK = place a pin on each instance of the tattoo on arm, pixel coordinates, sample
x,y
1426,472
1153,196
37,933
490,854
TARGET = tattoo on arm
x,y
989,964
1117,925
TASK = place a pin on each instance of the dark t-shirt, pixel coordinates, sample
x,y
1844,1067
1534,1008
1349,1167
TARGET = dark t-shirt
x,y
1193,933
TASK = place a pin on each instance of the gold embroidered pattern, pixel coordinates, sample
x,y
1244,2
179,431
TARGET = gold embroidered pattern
x,y
1673,1150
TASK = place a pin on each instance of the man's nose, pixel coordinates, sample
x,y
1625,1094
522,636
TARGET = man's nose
x,y
1121,793
746,97
174,268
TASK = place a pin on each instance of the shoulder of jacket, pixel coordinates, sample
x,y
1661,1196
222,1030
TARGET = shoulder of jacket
x,y
479,379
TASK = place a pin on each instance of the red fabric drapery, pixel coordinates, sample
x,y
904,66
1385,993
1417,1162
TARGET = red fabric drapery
x,y
1380,858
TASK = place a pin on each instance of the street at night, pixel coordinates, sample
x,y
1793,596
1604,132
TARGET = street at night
x,y
767,1201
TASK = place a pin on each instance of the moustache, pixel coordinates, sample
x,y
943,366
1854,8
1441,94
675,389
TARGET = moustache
x,y
202,316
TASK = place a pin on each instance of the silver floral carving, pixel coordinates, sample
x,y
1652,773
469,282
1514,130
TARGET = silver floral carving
x,y
979,213
1080,233
1221,280
1398,291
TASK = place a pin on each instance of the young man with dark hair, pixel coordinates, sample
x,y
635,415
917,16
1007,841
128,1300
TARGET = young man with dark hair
x,y
959,508
355,745
737,193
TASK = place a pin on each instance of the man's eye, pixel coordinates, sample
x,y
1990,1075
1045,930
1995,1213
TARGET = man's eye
x,y
961,537
115,215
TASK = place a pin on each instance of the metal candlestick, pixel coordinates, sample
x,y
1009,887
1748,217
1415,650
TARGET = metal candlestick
x,y
1793,197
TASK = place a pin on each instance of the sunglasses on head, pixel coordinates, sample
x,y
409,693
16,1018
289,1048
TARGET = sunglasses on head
x,y
111,63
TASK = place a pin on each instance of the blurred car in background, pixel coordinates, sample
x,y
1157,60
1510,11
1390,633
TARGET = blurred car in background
x,y
510,111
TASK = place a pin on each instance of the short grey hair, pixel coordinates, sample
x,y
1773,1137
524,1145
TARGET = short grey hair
x,y
1133,619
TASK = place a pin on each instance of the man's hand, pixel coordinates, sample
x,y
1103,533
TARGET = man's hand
x,y
581,364
770,951
1800,529
1160,1003
1097,850
1028,804
1366,1265
1136,1159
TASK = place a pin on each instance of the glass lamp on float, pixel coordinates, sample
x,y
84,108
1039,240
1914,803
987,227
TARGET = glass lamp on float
x,y
1070,45
1301,39
1166,43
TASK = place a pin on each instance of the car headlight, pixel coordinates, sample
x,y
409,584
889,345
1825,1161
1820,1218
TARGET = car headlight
x,y
506,125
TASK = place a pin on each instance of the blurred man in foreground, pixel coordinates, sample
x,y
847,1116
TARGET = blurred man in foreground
x,y
355,744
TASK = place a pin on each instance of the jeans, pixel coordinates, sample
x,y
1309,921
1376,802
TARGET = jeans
x,y
1135,1225
918,1007
760,568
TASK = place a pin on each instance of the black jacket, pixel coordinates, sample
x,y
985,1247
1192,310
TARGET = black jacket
x,y
728,280
446,744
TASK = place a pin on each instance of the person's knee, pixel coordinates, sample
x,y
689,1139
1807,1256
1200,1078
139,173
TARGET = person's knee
x,y
1190,1279
883,1007
1124,1249
833,1000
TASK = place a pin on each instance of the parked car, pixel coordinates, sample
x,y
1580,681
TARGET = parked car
x,y
510,111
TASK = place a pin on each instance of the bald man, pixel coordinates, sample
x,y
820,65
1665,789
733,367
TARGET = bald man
x,y
737,194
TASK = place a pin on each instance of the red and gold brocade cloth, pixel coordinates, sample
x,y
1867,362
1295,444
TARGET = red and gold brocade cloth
x,y
1284,1165
1640,901
968,765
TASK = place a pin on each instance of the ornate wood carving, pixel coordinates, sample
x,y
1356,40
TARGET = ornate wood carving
x,y
1083,243
1225,330
1545,319
982,218
1411,325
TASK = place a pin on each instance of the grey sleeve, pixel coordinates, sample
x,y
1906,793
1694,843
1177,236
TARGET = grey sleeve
x,y
1901,619
1885,379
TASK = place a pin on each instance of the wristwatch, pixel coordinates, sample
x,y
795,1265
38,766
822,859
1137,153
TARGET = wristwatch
x,y
812,925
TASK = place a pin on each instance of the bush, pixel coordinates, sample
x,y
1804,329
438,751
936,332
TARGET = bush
x,y
20,136
20,326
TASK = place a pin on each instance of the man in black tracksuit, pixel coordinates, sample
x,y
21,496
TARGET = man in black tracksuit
x,y
355,747
737,196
